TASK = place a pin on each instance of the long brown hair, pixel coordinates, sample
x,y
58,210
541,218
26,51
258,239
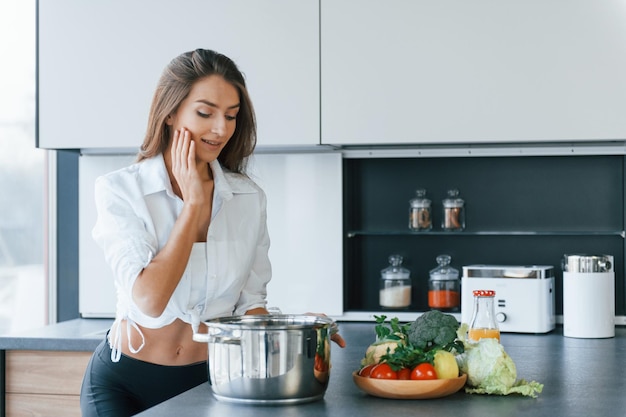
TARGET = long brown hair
x,y
174,85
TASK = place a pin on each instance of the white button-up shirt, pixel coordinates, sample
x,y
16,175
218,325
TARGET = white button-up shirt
x,y
225,276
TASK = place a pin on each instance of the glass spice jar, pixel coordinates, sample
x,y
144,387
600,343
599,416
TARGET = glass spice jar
x,y
453,212
483,323
420,212
395,285
444,286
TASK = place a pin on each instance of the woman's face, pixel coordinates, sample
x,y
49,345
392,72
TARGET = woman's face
x,y
209,113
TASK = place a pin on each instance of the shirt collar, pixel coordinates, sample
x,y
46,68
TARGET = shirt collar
x,y
228,183
222,188
154,175
155,179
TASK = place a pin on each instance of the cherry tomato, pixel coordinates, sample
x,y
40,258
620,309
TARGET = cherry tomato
x,y
383,371
404,373
424,371
365,371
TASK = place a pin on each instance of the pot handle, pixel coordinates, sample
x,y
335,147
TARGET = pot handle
x,y
204,338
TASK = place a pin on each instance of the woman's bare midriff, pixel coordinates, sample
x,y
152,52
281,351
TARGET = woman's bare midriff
x,y
171,345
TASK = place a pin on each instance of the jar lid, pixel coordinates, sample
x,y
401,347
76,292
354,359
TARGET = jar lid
x,y
444,272
453,199
395,269
420,200
484,293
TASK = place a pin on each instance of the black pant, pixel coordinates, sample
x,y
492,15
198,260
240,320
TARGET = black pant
x,y
130,386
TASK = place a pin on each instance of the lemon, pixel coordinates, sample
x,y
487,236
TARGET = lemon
x,y
445,365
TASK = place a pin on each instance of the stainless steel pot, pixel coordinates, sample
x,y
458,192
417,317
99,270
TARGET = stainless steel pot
x,y
268,359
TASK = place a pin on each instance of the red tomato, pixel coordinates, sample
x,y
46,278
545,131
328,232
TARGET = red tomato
x,y
424,371
365,371
383,371
404,373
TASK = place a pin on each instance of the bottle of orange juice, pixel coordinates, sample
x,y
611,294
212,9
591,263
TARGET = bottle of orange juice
x,y
483,324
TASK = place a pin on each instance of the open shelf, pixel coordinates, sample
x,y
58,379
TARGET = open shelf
x,y
526,210
356,233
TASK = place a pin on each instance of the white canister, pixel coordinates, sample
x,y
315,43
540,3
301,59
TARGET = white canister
x,y
588,296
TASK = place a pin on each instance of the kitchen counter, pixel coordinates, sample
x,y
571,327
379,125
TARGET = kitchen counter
x,y
72,335
581,377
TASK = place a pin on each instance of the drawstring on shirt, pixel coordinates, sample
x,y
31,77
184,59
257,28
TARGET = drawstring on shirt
x,y
195,318
116,342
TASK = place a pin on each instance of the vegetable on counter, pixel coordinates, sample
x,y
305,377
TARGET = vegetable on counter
x,y
490,370
435,346
383,371
434,328
446,365
388,338
429,340
424,371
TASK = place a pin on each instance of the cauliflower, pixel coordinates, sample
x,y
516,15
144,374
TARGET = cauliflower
x,y
377,349
388,337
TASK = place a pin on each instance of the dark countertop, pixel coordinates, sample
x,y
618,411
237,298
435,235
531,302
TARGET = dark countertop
x,y
71,335
581,377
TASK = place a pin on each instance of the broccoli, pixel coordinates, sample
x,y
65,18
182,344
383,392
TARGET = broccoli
x,y
433,328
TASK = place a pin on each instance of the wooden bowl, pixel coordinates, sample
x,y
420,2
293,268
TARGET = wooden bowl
x,y
408,389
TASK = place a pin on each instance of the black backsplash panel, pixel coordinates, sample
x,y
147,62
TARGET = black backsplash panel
x,y
546,194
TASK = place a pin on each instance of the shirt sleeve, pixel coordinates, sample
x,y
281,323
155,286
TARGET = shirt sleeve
x,y
254,293
121,229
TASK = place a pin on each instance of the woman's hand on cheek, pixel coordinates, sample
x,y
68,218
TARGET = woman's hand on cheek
x,y
184,167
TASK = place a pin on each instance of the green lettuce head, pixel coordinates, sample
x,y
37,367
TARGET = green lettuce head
x,y
490,370
487,365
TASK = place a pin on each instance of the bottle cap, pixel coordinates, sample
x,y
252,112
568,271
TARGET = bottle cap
x,y
484,293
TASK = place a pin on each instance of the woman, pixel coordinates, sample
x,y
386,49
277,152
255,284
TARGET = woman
x,y
184,230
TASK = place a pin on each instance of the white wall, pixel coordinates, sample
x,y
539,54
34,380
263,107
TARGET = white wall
x,y
304,193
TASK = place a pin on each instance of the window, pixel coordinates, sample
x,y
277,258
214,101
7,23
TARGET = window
x,y
23,176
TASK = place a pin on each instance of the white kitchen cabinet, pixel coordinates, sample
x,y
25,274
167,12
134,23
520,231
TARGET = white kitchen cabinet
x,y
458,71
98,64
